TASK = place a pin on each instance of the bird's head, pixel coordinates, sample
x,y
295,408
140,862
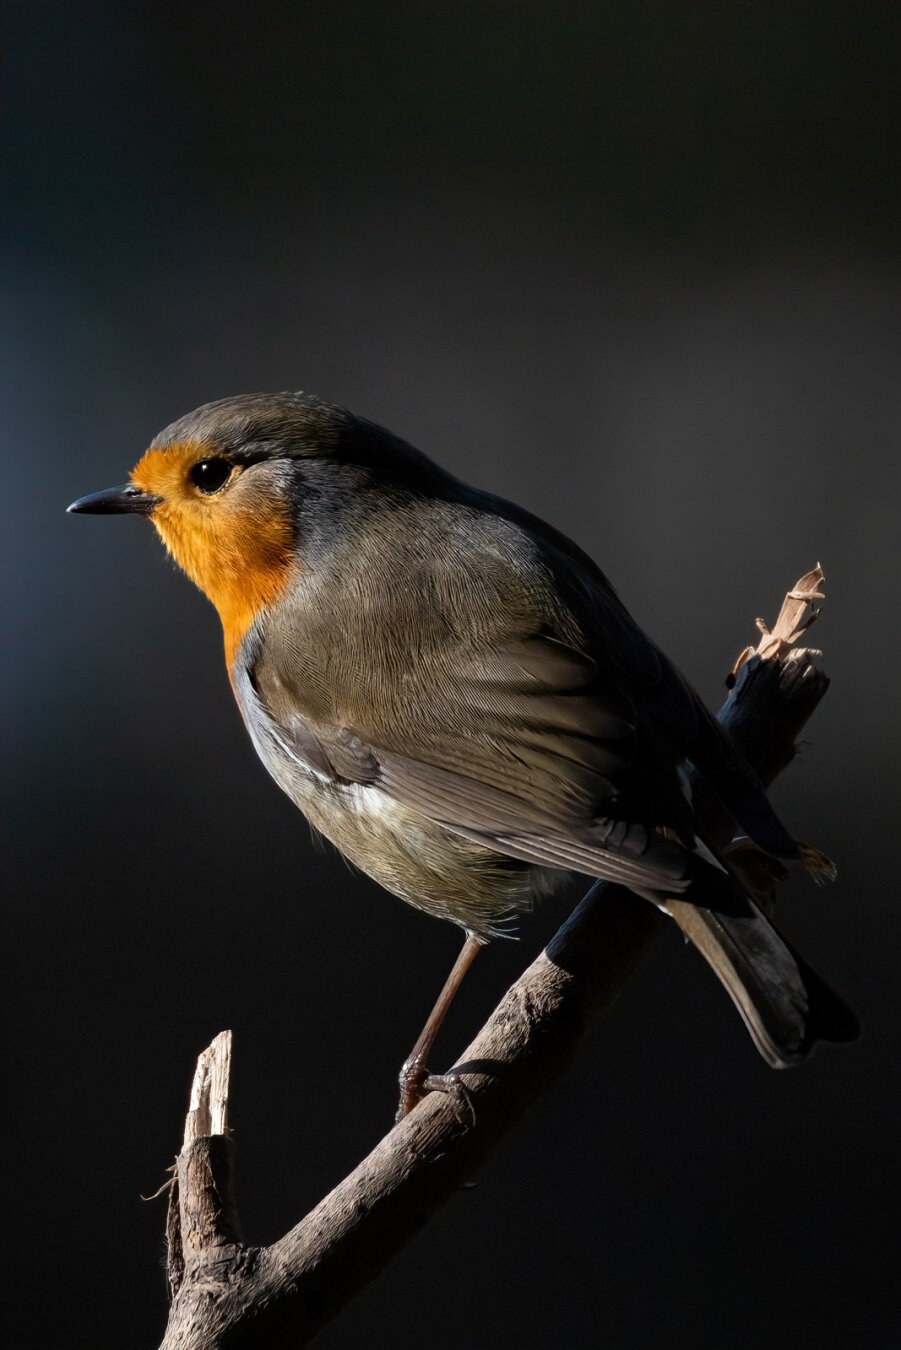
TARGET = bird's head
x,y
230,488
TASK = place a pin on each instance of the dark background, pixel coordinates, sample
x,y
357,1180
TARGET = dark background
x,y
633,264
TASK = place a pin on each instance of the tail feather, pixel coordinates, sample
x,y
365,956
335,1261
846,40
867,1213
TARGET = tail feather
x,y
785,1005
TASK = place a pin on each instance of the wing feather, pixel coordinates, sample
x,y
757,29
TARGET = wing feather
x,y
537,778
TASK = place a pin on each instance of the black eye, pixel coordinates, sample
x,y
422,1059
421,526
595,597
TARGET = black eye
x,y
210,474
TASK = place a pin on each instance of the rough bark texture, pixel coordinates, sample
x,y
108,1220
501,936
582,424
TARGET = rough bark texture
x,y
227,1295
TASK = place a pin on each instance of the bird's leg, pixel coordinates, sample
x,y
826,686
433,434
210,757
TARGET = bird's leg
x,y
414,1078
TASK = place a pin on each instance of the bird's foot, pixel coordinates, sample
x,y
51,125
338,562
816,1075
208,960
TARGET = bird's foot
x,y
416,1082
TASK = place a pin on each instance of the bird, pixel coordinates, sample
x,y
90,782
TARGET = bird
x,y
453,694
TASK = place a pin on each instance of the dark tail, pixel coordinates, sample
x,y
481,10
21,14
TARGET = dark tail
x,y
785,1005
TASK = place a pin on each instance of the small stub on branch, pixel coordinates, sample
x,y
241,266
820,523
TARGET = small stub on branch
x,y
202,1217
208,1111
798,612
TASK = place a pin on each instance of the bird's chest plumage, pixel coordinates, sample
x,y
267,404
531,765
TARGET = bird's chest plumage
x,y
392,656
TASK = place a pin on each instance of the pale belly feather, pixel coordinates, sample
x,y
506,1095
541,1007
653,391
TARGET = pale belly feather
x,y
415,858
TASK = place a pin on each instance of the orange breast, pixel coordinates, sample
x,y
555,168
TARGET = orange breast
x,y
236,546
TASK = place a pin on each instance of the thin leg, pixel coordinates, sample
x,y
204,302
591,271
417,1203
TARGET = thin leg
x,y
415,1079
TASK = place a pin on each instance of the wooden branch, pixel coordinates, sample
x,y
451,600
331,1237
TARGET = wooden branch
x,y
229,1296
202,1221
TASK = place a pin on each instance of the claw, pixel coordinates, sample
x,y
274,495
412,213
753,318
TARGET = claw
x,y
416,1082
454,1087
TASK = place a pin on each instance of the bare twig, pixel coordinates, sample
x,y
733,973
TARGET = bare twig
x,y
202,1221
228,1295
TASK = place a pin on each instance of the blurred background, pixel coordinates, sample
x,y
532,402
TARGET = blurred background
x,y
635,265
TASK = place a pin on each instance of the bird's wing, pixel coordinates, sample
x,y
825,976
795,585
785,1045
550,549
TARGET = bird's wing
x,y
669,710
523,750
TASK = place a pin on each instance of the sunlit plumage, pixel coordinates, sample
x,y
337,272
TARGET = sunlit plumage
x,y
452,692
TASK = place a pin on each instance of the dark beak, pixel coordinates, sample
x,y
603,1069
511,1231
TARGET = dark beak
x,y
115,502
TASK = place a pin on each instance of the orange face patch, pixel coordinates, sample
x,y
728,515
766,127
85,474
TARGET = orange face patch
x,y
235,544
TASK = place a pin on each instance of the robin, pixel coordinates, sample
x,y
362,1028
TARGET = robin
x,y
455,696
